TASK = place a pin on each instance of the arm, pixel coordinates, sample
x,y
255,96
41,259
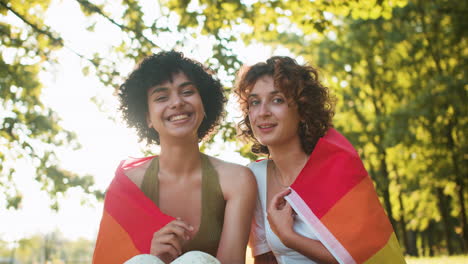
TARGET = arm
x,y
257,241
281,219
240,190
267,258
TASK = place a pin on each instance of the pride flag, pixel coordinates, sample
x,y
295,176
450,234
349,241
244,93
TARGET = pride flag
x,y
129,220
336,197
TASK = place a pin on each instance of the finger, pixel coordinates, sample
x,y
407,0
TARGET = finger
x,y
180,232
163,245
168,249
179,222
284,193
176,243
176,229
278,201
169,239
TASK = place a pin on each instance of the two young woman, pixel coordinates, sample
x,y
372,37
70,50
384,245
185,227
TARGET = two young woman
x,y
183,200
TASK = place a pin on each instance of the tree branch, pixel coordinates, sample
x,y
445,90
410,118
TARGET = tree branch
x,y
49,34
36,28
94,8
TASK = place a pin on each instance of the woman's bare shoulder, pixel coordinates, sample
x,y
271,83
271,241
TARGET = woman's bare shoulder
x,y
137,173
229,169
234,178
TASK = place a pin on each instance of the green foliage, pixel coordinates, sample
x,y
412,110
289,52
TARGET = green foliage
x,y
48,248
397,68
29,130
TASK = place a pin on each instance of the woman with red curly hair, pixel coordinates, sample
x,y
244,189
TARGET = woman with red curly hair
x,y
316,202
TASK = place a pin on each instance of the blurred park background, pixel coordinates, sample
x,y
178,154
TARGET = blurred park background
x,y
398,69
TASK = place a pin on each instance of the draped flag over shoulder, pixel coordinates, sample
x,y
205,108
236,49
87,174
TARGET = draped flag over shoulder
x,y
129,220
336,197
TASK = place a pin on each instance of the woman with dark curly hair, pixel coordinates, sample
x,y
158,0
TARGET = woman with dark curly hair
x,y
316,202
181,200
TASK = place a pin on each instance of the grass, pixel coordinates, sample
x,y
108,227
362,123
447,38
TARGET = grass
x,y
438,260
421,260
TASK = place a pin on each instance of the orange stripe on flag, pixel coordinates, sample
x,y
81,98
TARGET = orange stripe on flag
x,y
359,222
113,244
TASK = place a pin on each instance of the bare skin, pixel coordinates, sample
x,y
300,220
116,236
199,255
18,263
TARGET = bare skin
x,y
267,258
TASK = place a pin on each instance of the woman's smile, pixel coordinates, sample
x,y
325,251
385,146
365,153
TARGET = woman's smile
x,y
179,118
266,127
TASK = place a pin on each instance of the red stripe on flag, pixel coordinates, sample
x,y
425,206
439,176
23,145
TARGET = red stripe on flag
x,y
332,170
135,212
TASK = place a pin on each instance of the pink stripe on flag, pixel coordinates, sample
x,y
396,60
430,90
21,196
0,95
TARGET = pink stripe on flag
x,y
317,227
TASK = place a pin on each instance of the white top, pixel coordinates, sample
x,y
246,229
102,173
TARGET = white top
x,y
192,257
262,238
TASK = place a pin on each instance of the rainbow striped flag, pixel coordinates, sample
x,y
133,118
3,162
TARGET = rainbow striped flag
x,y
129,220
336,197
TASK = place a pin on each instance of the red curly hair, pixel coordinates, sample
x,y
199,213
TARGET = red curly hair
x,y
301,85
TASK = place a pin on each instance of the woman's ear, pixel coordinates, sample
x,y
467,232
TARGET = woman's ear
x,y
148,120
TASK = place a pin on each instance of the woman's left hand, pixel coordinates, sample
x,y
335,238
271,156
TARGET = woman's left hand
x,y
280,215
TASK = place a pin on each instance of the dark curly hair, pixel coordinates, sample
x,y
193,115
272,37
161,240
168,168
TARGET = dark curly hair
x,y
301,85
159,68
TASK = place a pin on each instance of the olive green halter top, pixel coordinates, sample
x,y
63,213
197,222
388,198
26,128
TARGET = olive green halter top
x,y
212,204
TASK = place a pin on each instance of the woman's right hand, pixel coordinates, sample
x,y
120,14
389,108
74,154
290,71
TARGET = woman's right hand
x,y
167,242
280,216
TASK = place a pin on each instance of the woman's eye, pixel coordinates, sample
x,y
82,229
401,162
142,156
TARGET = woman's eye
x,y
278,100
160,98
188,92
254,102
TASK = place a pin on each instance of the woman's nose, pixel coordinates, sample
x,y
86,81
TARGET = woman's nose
x,y
177,101
264,109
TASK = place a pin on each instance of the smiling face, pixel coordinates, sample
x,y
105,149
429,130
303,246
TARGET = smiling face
x,y
175,109
274,121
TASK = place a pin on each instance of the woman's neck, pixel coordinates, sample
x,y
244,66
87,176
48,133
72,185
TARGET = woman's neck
x,y
289,161
179,159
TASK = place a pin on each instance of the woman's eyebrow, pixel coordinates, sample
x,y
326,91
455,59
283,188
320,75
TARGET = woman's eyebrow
x,y
159,89
187,83
256,95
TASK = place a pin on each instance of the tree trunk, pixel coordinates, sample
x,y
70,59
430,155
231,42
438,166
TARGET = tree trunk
x,y
430,239
444,212
410,249
403,225
385,190
424,243
461,200
459,181
412,246
404,234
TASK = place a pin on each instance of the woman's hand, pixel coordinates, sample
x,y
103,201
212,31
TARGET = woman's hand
x,y
167,242
280,215
281,219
